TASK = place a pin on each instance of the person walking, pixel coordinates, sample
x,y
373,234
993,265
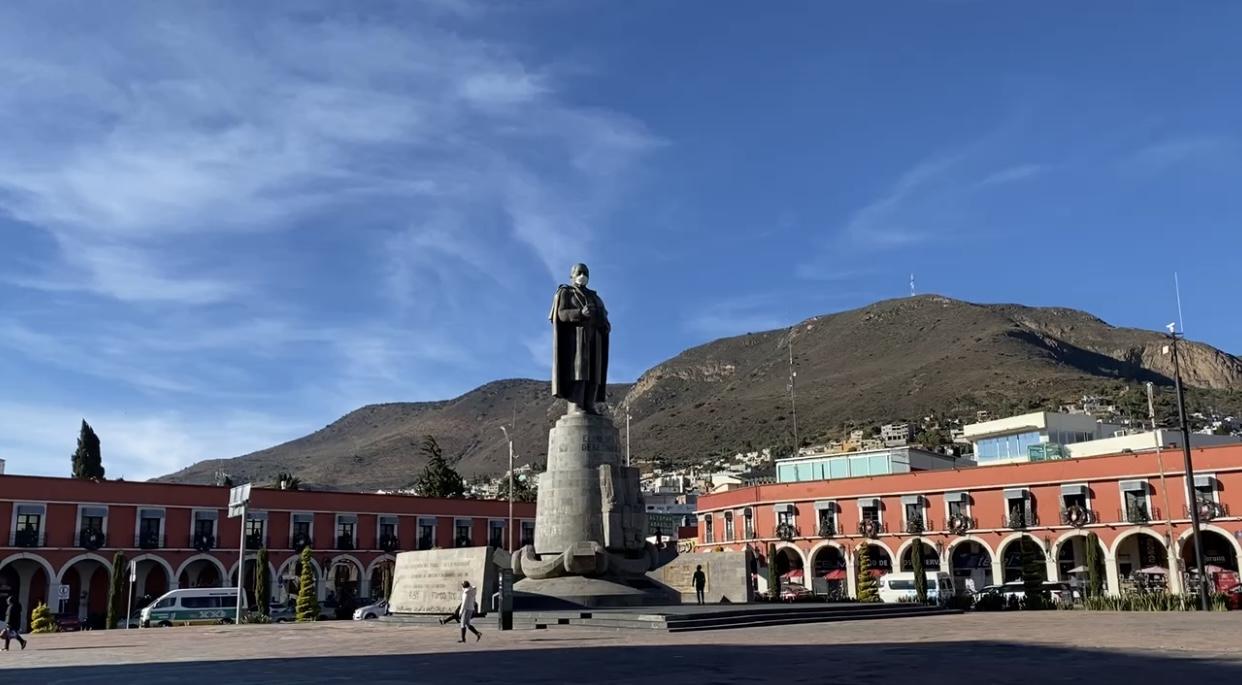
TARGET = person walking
x,y
13,623
700,582
466,611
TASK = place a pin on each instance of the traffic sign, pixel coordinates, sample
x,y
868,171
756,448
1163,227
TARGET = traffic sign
x,y
62,592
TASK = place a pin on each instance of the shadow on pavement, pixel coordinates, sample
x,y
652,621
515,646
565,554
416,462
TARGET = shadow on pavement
x,y
923,663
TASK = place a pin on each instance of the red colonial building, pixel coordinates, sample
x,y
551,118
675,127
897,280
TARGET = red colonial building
x,y
970,520
64,532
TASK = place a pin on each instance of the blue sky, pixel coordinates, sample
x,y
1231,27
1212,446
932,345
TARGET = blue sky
x,y
223,225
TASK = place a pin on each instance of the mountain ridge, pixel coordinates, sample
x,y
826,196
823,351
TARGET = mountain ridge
x,y
893,359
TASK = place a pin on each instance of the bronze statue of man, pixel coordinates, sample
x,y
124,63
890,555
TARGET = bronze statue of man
x,y
580,331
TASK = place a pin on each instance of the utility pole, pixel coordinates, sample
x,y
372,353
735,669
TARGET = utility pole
x,y
1191,499
1168,511
793,394
509,438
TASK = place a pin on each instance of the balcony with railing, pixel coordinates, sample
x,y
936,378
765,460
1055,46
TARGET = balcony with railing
x,y
1018,519
786,531
829,529
27,537
1139,514
918,525
91,539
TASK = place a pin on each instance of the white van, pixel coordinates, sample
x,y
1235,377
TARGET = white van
x,y
194,605
899,587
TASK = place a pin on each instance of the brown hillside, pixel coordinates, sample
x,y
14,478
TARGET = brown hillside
x,y
891,360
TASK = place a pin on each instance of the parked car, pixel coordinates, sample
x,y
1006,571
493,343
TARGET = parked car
x,y
68,623
287,613
793,592
1057,592
371,611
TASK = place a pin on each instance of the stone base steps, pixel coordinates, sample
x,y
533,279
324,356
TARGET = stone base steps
x,y
679,619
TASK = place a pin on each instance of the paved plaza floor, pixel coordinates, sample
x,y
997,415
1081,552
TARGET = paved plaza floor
x,y
1045,647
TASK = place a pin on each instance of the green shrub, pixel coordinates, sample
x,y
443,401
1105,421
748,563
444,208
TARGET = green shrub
x,y
41,620
262,586
916,565
256,617
116,591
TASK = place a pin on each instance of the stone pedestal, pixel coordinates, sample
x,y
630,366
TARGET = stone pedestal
x,y
590,525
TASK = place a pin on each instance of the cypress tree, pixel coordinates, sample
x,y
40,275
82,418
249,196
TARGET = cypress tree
x,y
866,585
916,565
774,578
1032,575
308,600
262,586
87,459
438,479
1095,567
116,592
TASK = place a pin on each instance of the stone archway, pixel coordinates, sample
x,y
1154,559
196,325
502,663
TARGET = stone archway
x,y
153,576
1070,551
289,575
931,558
201,570
1013,553
29,577
970,562
829,570
87,576
879,557
1218,549
379,577
248,582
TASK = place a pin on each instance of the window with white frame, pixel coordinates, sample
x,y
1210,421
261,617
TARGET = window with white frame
x,y
462,532
346,531
28,525
1018,513
748,523
150,532
426,533
204,527
302,531
708,533
528,533
1135,501
826,519
496,533
256,529
1205,487
869,509
957,505
913,513
728,526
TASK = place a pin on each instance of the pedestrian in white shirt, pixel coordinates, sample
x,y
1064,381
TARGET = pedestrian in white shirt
x,y
466,611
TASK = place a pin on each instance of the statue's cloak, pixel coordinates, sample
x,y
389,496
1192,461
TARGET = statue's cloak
x,y
579,344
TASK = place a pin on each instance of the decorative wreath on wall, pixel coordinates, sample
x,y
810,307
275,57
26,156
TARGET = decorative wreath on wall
x,y
785,531
1076,516
203,542
1209,510
92,539
869,528
959,524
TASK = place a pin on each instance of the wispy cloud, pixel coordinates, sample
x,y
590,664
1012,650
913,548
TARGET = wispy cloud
x,y
246,201
1011,174
1166,154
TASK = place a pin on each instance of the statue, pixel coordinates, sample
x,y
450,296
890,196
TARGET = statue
x,y
590,543
580,331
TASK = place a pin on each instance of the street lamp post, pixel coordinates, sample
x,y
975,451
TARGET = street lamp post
x,y
509,439
1191,499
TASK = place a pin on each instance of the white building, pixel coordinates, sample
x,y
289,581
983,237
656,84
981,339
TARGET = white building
x,y
896,434
1010,440
1145,442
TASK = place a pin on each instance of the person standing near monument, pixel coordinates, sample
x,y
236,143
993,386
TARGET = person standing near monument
x,y
580,331
700,582
466,611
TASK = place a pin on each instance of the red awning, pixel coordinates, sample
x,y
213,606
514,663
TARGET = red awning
x,y
794,576
835,574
